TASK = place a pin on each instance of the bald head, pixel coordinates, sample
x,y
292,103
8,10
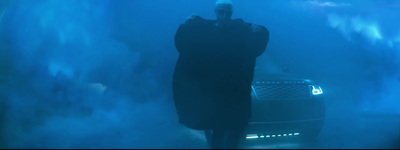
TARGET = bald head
x,y
223,11
226,2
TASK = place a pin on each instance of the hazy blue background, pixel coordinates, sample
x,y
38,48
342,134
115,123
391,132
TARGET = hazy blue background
x,y
97,73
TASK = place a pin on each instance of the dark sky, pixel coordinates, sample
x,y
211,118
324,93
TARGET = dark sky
x,y
86,66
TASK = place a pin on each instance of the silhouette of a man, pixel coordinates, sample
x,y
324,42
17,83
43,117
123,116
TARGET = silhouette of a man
x,y
213,74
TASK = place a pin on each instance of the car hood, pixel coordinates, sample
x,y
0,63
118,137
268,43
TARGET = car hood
x,y
280,77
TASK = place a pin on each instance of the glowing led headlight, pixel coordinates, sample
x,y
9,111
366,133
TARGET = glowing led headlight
x,y
316,90
252,136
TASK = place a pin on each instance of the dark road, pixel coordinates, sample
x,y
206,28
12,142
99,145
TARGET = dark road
x,y
344,129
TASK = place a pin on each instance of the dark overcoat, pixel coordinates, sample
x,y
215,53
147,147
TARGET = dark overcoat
x,y
214,71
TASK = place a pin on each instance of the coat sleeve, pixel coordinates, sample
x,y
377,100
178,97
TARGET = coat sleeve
x,y
258,41
187,34
182,41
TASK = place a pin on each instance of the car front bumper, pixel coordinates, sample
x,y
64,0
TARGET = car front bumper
x,y
285,118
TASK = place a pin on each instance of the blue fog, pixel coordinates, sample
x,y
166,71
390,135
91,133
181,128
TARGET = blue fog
x,y
98,73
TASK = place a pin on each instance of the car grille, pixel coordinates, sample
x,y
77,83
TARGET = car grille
x,y
281,91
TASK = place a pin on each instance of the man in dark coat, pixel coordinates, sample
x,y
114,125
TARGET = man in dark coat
x,y
213,74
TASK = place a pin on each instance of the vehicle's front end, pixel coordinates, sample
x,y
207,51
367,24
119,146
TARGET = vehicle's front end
x,y
285,107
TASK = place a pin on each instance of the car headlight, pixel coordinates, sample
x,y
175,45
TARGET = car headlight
x,y
316,90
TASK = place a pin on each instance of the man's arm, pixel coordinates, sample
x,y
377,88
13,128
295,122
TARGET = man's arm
x,y
258,39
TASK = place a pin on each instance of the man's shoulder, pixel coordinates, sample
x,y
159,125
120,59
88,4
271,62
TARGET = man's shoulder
x,y
240,23
194,19
248,25
196,25
238,20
